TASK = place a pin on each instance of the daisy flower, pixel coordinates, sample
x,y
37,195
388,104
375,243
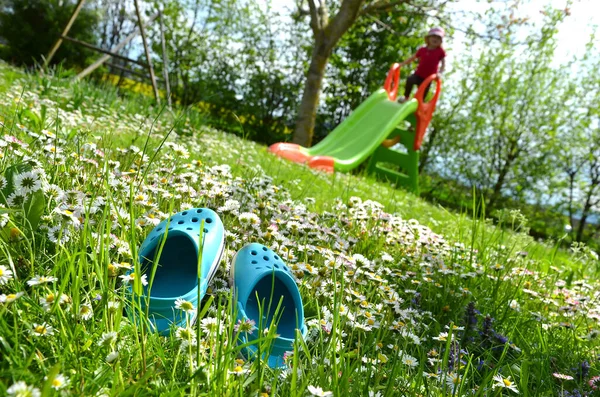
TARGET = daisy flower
x,y
239,371
42,330
442,337
453,380
58,234
185,334
185,306
107,338
8,298
318,392
28,182
504,383
3,220
85,311
112,356
247,326
5,274
131,277
409,361
594,382
38,280
59,381
16,199
562,376
22,389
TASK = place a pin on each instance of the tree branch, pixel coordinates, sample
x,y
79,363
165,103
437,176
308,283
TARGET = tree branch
x,y
315,24
382,5
342,21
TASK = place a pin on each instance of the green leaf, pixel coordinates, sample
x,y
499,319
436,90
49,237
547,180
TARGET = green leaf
x,y
35,203
34,208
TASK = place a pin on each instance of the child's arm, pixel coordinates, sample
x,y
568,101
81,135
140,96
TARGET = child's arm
x,y
408,61
443,66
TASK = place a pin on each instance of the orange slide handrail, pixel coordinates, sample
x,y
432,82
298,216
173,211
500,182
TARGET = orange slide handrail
x,y
392,81
425,110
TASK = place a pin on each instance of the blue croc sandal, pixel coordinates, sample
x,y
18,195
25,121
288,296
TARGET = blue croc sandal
x,y
176,275
258,271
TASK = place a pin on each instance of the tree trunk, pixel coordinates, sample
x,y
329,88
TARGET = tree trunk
x,y
499,184
424,158
584,213
307,112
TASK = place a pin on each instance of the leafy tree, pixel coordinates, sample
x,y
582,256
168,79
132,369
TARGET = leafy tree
x,y
31,27
237,61
503,114
360,62
577,149
327,31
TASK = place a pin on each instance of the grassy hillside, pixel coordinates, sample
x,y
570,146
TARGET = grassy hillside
x,y
401,297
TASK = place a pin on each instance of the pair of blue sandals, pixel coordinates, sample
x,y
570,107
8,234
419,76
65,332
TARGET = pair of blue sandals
x,y
265,291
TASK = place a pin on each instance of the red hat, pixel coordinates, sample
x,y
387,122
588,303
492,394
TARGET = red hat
x,y
436,32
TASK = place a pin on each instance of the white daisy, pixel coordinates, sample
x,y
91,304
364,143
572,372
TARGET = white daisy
x,y
85,311
8,298
42,330
3,220
58,235
239,371
107,338
22,389
38,280
112,356
185,306
318,392
59,381
5,275
504,383
131,277
28,182
16,199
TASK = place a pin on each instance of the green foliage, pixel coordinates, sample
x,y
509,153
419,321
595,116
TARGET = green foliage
x,y
517,129
359,64
393,307
33,206
31,27
236,62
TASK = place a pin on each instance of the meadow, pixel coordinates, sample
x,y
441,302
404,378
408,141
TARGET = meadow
x,y
402,298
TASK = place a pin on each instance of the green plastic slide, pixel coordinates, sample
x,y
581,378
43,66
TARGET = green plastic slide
x,y
357,137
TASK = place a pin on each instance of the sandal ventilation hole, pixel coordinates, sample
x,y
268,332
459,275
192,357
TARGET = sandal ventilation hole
x,y
189,228
180,222
159,229
276,266
184,213
205,230
171,228
266,258
253,252
194,219
264,249
254,262
208,220
276,257
198,211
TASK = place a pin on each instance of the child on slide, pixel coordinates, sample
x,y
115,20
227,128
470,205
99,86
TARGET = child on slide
x,y
429,58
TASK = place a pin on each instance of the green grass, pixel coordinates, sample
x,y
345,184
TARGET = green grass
x,y
401,297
